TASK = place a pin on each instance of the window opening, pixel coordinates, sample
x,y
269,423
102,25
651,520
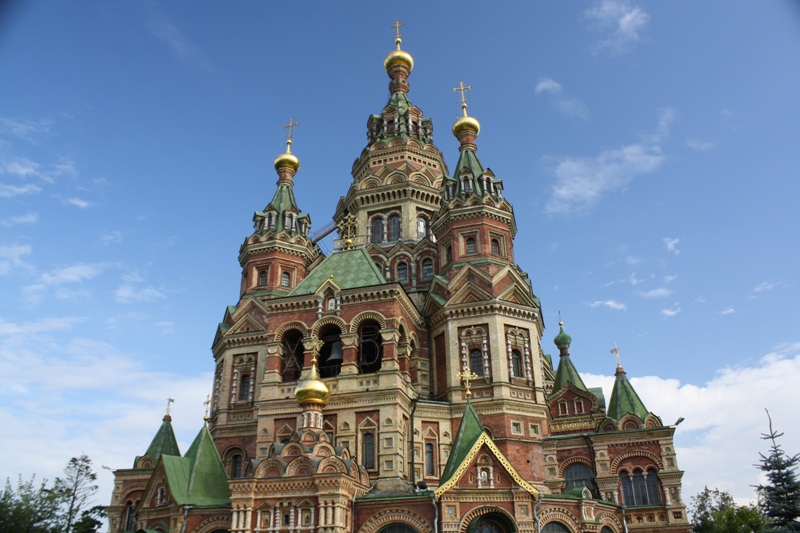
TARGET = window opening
x,y
377,230
236,466
422,228
430,467
286,279
516,363
476,361
394,228
470,245
370,348
262,278
330,355
244,390
579,475
427,269
402,272
495,247
369,451
292,355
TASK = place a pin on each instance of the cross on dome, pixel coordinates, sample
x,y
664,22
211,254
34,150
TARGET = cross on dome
x,y
467,376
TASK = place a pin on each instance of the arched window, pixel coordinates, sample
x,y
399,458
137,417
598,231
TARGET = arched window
x,y
130,517
377,230
262,278
640,491
394,228
470,245
330,355
292,355
402,272
516,363
369,451
427,269
370,347
476,361
653,492
244,390
486,525
430,466
397,528
236,466
495,247
286,279
579,475
422,228
555,527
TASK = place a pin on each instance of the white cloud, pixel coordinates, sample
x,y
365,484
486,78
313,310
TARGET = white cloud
x,y
611,304
78,202
621,22
28,218
42,325
728,311
111,237
719,441
661,292
582,181
633,260
184,50
23,128
548,85
21,167
699,146
11,258
73,273
126,294
10,191
767,286
672,245
671,312
670,279
165,327
570,107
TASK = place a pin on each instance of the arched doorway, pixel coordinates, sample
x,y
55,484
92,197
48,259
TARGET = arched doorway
x,y
492,522
397,528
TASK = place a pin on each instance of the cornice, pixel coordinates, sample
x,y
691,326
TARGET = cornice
x,y
481,309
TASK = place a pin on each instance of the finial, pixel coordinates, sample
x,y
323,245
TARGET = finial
x,y
316,344
397,40
206,404
561,322
615,351
463,91
169,401
288,159
467,376
466,128
290,134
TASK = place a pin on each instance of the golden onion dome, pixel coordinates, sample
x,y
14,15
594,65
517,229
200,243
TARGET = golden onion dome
x,y
466,123
287,159
398,56
311,389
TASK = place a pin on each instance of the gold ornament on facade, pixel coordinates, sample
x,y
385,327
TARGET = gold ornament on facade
x,y
466,122
311,388
398,57
288,159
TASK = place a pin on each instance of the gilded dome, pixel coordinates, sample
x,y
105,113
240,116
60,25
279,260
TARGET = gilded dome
x,y
311,389
287,159
398,56
466,123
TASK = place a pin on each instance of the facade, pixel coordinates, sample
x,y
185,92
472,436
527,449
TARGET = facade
x,y
399,384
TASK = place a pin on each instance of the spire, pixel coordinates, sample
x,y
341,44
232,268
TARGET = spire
x,y
164,442
469,432
199,477
466,128
566,373
624,399
286,165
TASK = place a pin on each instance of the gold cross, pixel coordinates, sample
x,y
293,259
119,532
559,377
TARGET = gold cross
x,y
396,27
316,344
207,403
290,125
463,90
467,376
615,351
169,401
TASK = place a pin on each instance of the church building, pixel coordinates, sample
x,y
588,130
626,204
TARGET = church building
x,y
400,383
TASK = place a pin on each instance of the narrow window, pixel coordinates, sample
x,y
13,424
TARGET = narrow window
x,y
627,489
244,390
377,230
653,494
578,406
422,228
236,466
369,451
430,467
495,247
639,488
262,278
516,363
402,272
449,253
286,279
476,361
563,409
130,517
470,245
292,355
427,269
394,228
370,348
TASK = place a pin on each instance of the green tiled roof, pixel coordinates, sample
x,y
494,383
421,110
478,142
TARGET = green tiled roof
x,y
350,269
163,443
469,159
468,434
567,373
624,399
601,398
198,478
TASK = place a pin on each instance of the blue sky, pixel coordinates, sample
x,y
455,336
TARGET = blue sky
x,y
650,150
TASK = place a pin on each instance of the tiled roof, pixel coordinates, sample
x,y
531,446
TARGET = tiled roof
x,y
163,443
624,399
198,478
349,268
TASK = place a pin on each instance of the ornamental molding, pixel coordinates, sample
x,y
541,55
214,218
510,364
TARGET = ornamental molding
x,y
367,315
404,516
610,520
635,453
296,324
572,460
212,524
473,311
480,511
560,514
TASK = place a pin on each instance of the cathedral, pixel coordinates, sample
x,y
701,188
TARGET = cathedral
x,y
400,384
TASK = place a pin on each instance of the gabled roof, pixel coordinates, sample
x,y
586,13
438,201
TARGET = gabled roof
x,y
624,399
471,437
163,443
198,478
567,373
349,268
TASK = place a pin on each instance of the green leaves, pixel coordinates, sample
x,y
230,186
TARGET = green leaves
x,y
714,511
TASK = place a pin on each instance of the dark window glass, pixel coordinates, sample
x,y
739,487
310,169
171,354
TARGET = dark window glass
x,y
430,467
476,361
516,363
579,475
397,528
627,489
262,278
130,517
449,253
369,451
495,247
427,269
470,245
555,527
236,466
292,355
402,273
377,230
653,493
286,279
244,390
370,347
394,228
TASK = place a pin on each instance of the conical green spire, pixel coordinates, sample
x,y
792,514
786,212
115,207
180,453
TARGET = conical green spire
x,y
199,477
164,442
469,432
624,399
566,370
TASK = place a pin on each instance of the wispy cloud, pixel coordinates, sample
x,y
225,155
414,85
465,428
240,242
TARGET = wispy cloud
x,y
621,23
661,292
671,278
27,218
77,273
672,245
768,286
126,294
11,258
111,237
568,106
671,312
10,191
700,146
165,327
21,167
25,129
78,202
728,311
611,304
582,181
165,31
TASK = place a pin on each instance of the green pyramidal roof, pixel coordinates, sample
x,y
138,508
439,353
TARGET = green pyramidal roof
x,y
163,443
283,200
349,268
198,478
469,432
567,373
469,159
624,399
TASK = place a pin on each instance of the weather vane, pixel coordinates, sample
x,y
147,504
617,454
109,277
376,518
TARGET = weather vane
x,y
169,401
467,376
290,126
615,351
206,404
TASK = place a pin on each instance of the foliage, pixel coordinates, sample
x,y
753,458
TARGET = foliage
x,y
780,498
62,508
714,511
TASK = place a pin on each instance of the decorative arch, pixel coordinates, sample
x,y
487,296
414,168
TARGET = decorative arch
x,y
300,466
328,320
630,420
635,453
332,465
269,468
479,512
281,331
356,321
560,514
572,460
396,516
213,524
611,521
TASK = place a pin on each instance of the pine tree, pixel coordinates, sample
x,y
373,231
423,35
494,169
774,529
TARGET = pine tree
x,y
780,498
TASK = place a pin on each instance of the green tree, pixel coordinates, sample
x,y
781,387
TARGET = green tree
x,y
780,498
714,511
75,491
28,508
